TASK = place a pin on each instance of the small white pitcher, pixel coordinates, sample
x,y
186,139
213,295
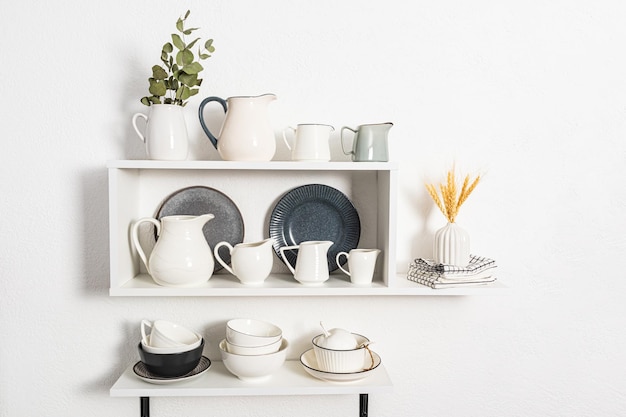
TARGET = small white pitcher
x,y
312,263
165,133
361,263
251,262
311,142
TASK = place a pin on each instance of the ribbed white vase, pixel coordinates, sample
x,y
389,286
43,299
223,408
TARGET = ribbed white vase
x,y
452,246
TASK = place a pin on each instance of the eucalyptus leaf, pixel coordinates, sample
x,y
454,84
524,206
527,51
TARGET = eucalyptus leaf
x,y
178,42
184,57
183,93
193,68
168,48
180,25
158,73
188,79
192,43
187,14
157,88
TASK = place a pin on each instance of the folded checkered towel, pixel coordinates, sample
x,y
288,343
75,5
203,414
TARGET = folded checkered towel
x,y
479,271
476,264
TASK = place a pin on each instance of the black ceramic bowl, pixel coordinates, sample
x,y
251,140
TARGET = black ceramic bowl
x,y
171,364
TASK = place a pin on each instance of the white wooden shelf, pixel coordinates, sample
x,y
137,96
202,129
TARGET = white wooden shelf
x,y
138,187
284,285
289,379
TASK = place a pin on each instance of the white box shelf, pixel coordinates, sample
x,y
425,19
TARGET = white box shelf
x,y
138,187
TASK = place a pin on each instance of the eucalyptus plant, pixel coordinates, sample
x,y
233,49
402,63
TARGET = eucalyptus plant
x,y
177,79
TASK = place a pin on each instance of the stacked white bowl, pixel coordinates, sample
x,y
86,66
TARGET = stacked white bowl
x,y
253,349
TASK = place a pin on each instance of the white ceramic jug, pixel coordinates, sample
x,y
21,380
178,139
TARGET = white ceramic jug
x,y
246,133
361,265
181,256
165,133
310,142
312,262
251,262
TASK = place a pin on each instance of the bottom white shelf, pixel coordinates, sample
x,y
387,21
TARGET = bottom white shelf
x,y
290,379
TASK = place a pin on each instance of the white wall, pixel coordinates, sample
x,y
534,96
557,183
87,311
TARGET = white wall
x,y
531,94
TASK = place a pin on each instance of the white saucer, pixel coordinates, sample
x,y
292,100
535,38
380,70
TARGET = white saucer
x,y
142,373
309,362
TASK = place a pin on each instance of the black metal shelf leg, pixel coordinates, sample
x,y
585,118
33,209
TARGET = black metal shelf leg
x,y
363,400
144,406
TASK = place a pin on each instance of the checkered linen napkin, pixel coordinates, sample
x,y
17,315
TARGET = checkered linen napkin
x,y
479,271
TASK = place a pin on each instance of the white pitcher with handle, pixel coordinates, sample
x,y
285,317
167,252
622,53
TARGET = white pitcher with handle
x,y
181,256
312,262
310,142
165,134
246,133
251,262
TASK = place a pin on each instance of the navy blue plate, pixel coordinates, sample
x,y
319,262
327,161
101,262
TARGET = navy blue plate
x,y
315,212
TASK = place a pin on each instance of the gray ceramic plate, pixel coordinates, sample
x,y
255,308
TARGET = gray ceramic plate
x,y
315,212
227,224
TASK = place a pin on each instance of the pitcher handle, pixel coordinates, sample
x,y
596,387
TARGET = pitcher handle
x,y
206,101
339,263
219,259
282,255
285,135
135,117
135,237
343,148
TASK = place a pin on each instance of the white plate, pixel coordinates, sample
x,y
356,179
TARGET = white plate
x,y
142,373
309,362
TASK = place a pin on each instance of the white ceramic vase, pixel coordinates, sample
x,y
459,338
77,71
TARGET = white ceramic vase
x,y
165,133
452,246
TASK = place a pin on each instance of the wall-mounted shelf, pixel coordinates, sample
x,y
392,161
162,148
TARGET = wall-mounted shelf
x,y
138,187
284,285
290,379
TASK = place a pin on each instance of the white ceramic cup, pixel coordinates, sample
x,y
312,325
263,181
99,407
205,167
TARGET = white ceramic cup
x,y
311,142
361,265
165,334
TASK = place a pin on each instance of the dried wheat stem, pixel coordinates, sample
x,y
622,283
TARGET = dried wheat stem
x,y
469,191
449,203
433,194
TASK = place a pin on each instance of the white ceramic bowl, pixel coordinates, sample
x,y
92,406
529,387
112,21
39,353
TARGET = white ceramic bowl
x,y
257,350
254,368
252,333
341,361
164,334
174,349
